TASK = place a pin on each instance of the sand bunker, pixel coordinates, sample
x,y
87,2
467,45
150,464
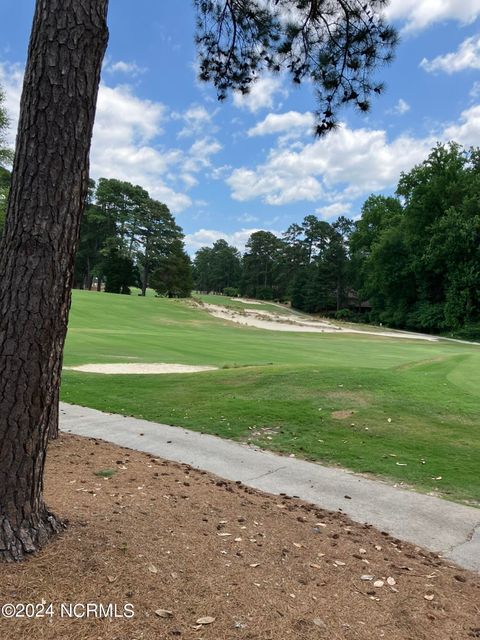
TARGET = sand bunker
x,y
139,368
292,323
247,301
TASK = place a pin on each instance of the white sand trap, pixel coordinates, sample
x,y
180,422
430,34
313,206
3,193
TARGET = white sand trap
x,y
247,301
139,368
292,323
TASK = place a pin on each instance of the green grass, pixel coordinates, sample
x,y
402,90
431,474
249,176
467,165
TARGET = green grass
x,y
280,389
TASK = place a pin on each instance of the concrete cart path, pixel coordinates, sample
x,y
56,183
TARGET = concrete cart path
x,y
450,529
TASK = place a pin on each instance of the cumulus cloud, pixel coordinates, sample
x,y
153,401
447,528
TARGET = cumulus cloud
x,y
127,68
121,116
206,238
467,130
401,108
332,211
291,121
247,218
274,184
262,94
420,14
199,154
357,161
347,164
475,90
123,146
467,56
126,141
196,119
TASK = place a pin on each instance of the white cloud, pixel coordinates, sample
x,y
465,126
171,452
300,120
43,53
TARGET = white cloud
x,y
262,94
121,116
247,218
125,141
206,238
128,68
196,119
475,90
347,164
274,184
291,121
189,180
401,108
358,161
420,14
123,145
467,56
199,154
221,172
467,130
334,210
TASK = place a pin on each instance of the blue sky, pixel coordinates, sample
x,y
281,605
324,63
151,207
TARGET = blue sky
x,y
228,169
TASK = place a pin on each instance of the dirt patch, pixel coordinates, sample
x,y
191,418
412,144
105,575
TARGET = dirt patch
x,y
360,399
139,368
167,538
342,415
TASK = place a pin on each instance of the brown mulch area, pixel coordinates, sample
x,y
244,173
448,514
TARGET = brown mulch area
x,y
162,536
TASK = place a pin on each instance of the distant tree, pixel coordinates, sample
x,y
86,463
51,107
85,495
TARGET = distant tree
x,y
96,230
173,277
441,225
418,259
320,280
126,229
216,268
260,265
290,260
6,157
378,214
231,292
315,236
202,269
156,238
6,153
338,259
225,266
126,204
118,269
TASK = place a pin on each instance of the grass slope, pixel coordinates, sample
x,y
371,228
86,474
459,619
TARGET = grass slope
x,y
280,390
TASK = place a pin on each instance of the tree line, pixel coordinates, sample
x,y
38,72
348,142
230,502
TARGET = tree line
x,y
410,261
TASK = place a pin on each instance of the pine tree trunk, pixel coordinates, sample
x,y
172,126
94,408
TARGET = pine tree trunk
x,y
49,187
53,425
145,279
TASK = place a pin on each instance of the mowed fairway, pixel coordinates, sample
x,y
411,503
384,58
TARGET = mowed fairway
x,y
403,409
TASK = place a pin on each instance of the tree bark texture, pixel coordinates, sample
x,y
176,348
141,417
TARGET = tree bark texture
x,y
48,191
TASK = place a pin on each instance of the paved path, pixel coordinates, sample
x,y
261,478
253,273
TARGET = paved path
x,y
444,527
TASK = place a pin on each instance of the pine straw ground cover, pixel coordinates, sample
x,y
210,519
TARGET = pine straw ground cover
x,y
182,545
